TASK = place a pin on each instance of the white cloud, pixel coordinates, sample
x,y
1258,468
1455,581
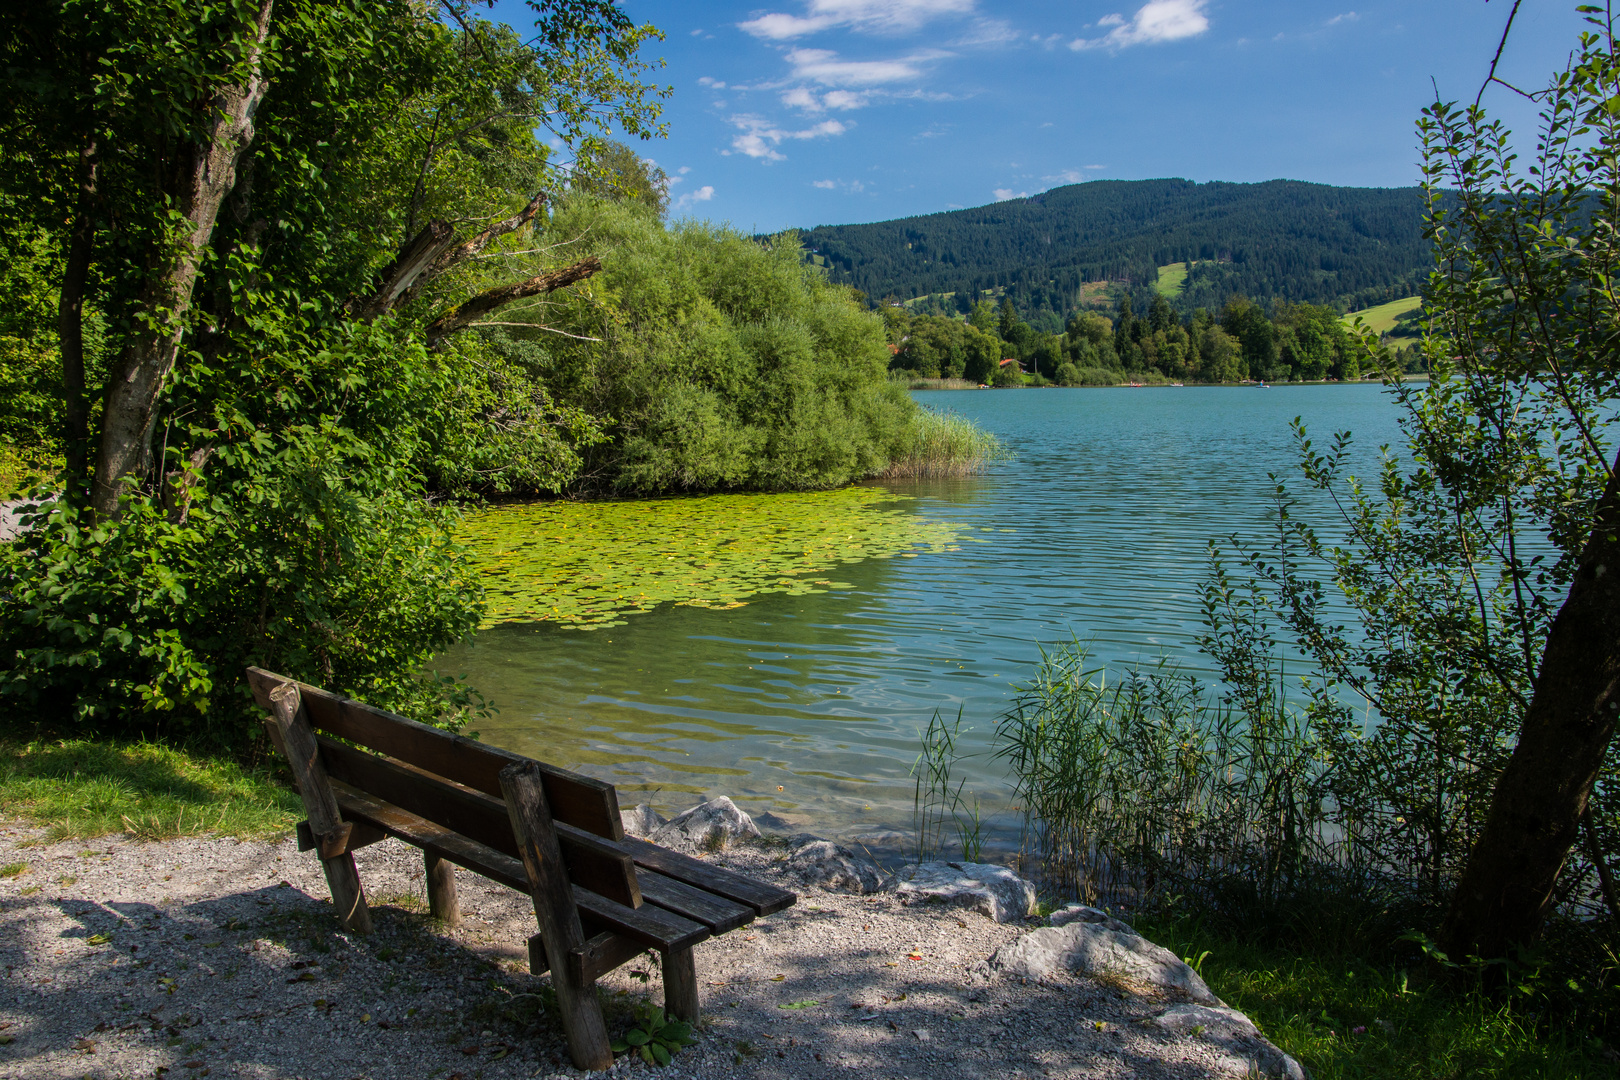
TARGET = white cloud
x,y
1348,16
800,98
1002,194
684,169
844,99
865,15
702,194
697,33
1070,176
712,84
1155,22
827,185
854,187
989,32
760,137
823,66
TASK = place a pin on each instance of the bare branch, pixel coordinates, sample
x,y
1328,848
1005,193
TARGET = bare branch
x,y
466,314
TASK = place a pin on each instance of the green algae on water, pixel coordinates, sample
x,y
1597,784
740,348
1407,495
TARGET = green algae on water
x,y
587,565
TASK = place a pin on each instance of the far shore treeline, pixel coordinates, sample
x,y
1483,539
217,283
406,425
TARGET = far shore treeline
x,y
1243,341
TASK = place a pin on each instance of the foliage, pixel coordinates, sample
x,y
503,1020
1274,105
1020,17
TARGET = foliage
x,y
1150,788
308,549
943,444
276,509
84,788
1277,240
724,364
588,565
935,800
656,1038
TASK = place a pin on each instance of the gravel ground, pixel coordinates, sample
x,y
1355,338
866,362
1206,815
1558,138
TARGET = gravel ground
x,y
214,957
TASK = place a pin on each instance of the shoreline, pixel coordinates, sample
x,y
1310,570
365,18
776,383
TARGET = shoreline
x,y
215,957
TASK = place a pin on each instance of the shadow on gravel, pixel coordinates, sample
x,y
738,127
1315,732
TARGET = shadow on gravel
x,y
262,984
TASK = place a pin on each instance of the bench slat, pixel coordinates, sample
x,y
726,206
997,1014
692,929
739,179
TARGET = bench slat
x,y
592,862
574,799
764,899
716,912
652,926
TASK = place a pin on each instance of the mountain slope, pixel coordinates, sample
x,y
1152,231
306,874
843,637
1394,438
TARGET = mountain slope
x,y
1281,239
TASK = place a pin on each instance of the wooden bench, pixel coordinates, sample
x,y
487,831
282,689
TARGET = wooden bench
x,y
601,898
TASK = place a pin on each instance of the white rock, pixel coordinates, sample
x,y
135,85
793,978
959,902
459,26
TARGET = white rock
x,y
640,821
1242,1050
708,826
1095,949
836,868
993,890
1080,912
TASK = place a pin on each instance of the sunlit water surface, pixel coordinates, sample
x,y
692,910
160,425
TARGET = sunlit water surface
x,y
810,707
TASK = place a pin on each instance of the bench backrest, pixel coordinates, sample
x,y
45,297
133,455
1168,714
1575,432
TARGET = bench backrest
x,y
455,782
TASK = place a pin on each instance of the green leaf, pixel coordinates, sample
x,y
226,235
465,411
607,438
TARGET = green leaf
x,y
661,1054
618,1046
636,1037
808,1003
646,1055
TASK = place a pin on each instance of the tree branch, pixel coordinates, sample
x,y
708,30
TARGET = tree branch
x,y
467,313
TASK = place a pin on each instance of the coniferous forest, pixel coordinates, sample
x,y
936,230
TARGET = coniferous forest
x,y
1348,248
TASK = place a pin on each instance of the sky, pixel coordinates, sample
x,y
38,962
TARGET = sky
x,y
811,112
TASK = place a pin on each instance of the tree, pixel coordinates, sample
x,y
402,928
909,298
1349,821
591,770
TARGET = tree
x,y
275,223
615,171
1525,324
141,120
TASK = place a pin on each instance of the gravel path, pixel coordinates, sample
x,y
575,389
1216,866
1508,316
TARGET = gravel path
x,y
212,957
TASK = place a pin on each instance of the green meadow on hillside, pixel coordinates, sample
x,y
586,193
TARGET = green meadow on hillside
x,y
1382,318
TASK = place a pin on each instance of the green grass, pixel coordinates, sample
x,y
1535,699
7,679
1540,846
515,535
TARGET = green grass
x,y
86,788
1382,318
943,444
1172,279
1346,1017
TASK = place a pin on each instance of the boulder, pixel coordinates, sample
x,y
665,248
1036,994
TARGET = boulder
x,y
837,869
709,826
1241,1049
1099,951
640,821
993,890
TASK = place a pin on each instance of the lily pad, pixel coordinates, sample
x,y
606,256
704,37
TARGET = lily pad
x,y
588,565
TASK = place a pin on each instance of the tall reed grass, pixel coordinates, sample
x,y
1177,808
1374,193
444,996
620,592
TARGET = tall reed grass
x,y
1150,786
942,444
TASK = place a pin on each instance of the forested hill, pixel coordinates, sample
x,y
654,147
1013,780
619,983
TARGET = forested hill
x,y
1281,239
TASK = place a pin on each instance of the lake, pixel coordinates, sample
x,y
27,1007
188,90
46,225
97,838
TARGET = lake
x,y
809,704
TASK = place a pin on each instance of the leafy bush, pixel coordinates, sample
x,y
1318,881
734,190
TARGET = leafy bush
x,y
308,549
716,363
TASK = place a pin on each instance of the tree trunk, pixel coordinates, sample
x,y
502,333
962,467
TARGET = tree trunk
x,y
1536,810
206,174
70,318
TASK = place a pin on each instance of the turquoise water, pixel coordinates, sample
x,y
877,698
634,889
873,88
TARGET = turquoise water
x,y
810,707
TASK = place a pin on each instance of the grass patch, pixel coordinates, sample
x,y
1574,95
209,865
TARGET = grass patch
x,y
86,788
1172,279
943,444
1381,319
1345,1014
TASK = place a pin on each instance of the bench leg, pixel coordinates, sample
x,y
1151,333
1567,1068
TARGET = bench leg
x,y
347,895
680,985
578,1007
441,890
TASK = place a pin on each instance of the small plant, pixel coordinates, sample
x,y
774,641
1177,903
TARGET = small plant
x,y
11,870
656,1036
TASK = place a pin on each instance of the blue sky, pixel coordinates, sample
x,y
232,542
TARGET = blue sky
x,y
809,112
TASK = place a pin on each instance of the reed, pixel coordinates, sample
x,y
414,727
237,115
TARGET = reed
x,y
942,444
1149,786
